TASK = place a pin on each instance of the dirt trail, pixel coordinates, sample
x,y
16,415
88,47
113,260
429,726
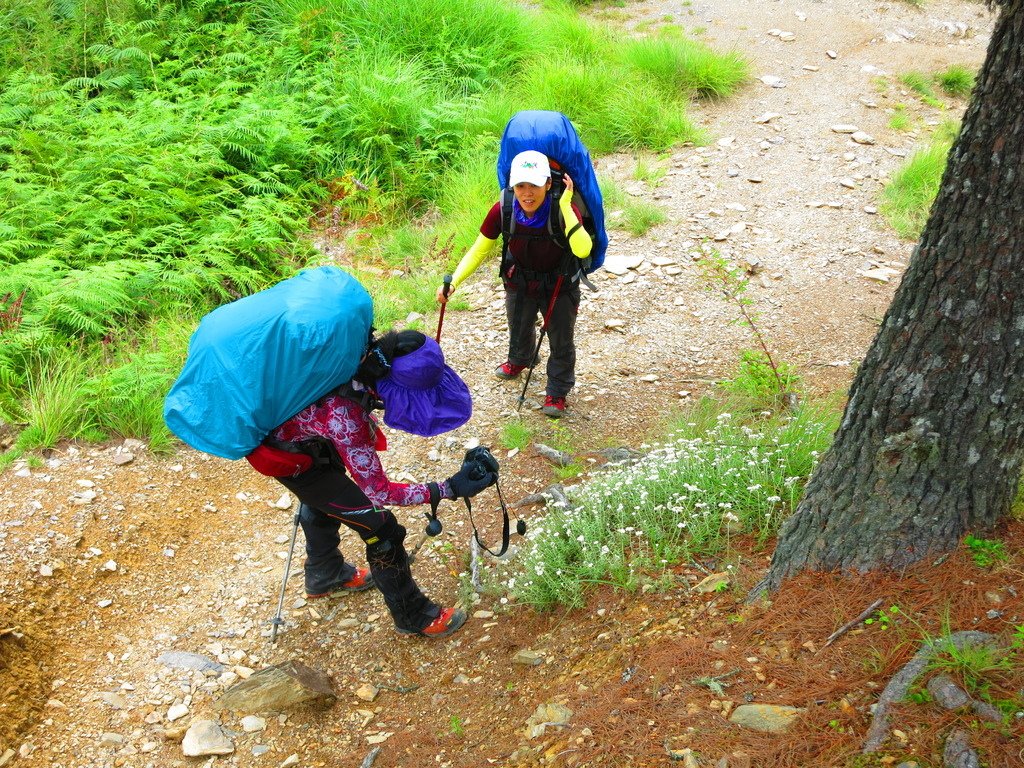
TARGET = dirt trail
x,y
103,566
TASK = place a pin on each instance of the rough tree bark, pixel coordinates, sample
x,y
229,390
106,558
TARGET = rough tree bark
x,y
929,447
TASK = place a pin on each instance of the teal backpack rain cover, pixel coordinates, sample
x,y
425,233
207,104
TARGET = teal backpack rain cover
x,y
256,362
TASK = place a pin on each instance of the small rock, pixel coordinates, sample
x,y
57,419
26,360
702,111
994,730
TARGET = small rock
x,y
863,138
186,660
712,583
549,714
844,128
768,718
205,737
176,712
114,700
528,658
881,274
367,692
253,724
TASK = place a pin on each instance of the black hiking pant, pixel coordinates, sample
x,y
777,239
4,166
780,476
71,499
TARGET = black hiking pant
x,y
527,297
331,499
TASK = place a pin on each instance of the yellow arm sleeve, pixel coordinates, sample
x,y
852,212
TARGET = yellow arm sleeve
x,y
579,241
474,258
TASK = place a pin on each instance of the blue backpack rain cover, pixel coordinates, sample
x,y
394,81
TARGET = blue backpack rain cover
x,y
553,134
256,362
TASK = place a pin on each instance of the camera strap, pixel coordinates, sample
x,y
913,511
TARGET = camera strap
x,y
505,533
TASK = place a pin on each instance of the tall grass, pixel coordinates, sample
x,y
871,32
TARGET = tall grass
x,y
636,216
686,66
56,389
715,477
956,80
907,198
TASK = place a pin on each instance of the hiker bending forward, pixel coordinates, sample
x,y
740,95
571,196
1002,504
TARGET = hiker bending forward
x,y
421,395
543,241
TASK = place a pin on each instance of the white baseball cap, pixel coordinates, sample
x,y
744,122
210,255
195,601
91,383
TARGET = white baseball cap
x,y
530,166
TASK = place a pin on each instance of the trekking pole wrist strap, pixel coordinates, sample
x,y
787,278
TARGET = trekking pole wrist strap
x,y
435,497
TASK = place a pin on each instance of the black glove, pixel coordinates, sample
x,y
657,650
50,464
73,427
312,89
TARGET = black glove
x,y
469,481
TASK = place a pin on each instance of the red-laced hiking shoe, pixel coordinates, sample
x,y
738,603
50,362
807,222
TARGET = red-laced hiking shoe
x,y
554,407
508,370
361,581
445,624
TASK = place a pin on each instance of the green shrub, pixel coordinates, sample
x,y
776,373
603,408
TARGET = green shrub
x,y
762,381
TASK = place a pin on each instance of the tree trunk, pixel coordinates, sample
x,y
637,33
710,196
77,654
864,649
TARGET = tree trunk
x,y
930,443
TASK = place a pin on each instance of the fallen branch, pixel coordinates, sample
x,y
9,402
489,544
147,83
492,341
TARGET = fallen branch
x,y
474,550
400,688
851,624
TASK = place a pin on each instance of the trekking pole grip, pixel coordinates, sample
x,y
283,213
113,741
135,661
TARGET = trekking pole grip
x,y
444,305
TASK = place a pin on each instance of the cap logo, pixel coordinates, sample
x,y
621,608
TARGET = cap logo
x,y
529,165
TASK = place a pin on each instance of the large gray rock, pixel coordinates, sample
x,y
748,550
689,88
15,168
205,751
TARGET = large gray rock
x,y
278,687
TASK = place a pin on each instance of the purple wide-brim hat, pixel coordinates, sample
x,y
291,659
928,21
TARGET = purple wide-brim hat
x,y
422,395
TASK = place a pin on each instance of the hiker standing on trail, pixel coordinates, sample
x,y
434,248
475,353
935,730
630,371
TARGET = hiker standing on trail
x,y
543,240
421,395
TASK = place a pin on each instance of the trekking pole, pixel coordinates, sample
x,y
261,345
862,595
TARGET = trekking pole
x,y
444,292
277,620
540,339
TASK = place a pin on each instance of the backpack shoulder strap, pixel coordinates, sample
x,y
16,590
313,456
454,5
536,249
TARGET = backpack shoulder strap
x,y
508,228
